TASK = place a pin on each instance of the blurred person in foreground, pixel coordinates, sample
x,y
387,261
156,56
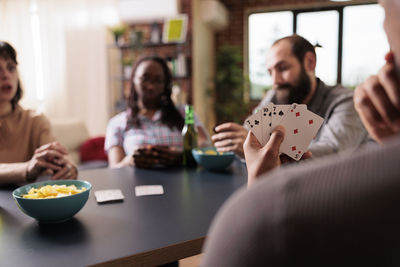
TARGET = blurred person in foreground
x,y
291,62
148,132
27,147
336,211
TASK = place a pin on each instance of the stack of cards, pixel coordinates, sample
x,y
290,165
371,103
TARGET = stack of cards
x,y
301,126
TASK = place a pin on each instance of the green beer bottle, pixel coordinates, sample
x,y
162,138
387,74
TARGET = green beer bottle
x,y
189,134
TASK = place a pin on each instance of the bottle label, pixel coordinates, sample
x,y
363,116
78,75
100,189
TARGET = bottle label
x,y
189,115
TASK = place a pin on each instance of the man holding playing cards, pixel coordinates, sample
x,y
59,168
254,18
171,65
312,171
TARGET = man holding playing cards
x,y
291,62
335,211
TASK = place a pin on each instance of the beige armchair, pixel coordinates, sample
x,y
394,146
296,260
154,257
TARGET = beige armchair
x,y
71,133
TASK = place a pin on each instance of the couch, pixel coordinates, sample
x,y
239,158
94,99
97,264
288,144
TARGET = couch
x,y
86,151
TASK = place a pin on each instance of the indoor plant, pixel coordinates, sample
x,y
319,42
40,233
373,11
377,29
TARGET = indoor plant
x,y
229,86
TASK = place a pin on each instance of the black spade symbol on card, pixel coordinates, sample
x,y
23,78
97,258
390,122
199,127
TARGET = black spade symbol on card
x,y
281,113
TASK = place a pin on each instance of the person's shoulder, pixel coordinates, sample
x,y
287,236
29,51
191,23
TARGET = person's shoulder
x,y
255,212
278,204
119,120
120,117
336,95
32,115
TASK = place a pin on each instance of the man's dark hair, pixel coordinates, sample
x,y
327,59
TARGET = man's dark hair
x,y
8,52
169,114
300,46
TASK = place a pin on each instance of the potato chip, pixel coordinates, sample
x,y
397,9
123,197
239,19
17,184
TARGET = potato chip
x,y
53,191
210,152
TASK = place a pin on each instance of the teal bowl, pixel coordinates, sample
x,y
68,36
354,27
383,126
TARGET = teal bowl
x,y
211,160
52,210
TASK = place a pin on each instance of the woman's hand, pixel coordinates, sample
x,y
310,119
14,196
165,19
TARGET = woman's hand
x,y
50,158
68,172
148,156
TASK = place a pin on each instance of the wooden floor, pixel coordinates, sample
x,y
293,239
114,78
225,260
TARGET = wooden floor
x,y
191,261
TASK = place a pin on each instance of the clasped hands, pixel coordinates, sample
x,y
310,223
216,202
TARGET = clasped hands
x,y
51,159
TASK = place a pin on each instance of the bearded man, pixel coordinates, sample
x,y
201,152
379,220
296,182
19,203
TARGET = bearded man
x,y
291,62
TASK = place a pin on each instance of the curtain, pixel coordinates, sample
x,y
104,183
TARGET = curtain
x,y
62,54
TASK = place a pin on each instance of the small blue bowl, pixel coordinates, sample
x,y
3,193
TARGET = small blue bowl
x,y
211,159
52,210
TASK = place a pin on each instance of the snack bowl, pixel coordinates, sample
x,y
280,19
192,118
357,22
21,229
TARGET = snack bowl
x,y
211,159
52,210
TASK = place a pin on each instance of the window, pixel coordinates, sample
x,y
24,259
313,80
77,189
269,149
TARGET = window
x,y
264,29
320,28
344,35
364,43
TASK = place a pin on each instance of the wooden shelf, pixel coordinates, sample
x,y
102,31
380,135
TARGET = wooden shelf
x,y
143,45
122,79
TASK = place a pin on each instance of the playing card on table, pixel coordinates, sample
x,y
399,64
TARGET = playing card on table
x,y
301,127
108,195
146,190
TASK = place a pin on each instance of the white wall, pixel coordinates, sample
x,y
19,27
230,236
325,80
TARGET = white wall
x,y
87,78
203,67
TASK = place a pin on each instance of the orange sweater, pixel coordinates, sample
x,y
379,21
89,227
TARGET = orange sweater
x,y
21,132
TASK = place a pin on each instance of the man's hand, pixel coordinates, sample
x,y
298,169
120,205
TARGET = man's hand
x,y
230,137
377,101
47,158
148,156
260,159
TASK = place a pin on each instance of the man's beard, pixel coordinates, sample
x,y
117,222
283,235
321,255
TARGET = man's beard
x,y
288,93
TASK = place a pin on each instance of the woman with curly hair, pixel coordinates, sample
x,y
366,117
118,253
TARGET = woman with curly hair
x,y
148,133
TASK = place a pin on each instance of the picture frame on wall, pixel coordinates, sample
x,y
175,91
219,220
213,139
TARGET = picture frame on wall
x,y
175,29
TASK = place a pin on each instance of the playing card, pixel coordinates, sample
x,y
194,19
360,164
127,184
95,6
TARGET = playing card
x,y
266,123
253,123
108,195
301,126
278,112
146,190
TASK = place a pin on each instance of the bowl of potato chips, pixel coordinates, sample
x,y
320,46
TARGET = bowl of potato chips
x,y
211,159
52,201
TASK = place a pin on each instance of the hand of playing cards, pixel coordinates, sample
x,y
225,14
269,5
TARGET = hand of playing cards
x,y
301,126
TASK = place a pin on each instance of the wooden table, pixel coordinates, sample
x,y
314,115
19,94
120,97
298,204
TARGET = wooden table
x,y
140,231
